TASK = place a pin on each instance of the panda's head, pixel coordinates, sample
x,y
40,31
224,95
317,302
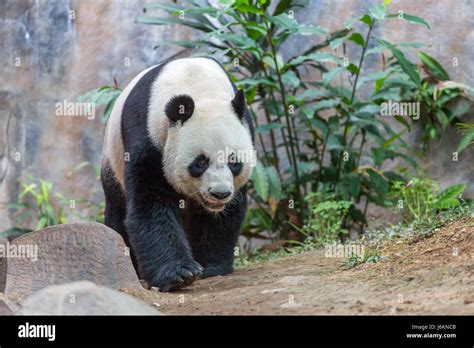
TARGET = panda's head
x,y
208,153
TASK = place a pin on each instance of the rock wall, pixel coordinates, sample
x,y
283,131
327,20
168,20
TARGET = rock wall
x,y
53,51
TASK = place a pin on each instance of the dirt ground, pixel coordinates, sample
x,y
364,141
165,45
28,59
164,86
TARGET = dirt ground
x,y
432,275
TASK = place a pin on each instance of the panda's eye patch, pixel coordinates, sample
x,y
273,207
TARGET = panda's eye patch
x,y
234,165
198,166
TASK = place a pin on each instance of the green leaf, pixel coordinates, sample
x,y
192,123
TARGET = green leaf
x,y
28,189
260,181
327,77
367,108
413,44
311,94
449,197
244,8
406,65
166,7
227,3
267,127
403,121
442,118
375,50
317,57
432,65
467,140
311,30
410,18
41,223
390,140
45,188
349,22
326,104
357,38
290,78
284,5
274,183
271,62
337,42
108,110
284,21
239,40
182,43
367,20
378,12
453,85
353,69
173,20
373,76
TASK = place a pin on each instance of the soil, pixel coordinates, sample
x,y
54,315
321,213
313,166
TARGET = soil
x,y
424,275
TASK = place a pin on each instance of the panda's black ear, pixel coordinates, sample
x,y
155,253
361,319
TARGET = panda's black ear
x,y
179,108
238,103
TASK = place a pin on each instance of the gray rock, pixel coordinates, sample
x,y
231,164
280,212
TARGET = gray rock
x,y
4,309
67,253
83,298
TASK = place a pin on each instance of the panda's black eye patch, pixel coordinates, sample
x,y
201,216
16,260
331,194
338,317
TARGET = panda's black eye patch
x,y
234,165
198,166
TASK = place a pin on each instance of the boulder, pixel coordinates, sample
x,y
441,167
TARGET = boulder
x,y
67,253
4,309
83,298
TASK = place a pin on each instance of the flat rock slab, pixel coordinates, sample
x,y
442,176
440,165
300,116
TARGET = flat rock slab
x,y
83,298
4,309
67,253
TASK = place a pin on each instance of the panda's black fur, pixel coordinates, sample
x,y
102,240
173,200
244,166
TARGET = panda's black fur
x,y
170,248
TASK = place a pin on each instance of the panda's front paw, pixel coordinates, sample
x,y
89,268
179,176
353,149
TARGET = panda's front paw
x,y
216,269
177,275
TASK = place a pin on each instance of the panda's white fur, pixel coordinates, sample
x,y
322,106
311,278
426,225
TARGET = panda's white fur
x,y
213,126
113,150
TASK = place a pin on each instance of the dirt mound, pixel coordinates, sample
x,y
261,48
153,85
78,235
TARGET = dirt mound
x,y
424,275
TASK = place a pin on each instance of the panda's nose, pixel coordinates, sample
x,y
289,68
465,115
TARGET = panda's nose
x,y
220,195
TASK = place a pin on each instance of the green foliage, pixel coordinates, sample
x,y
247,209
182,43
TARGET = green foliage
x,y
324,223
371,255
39,205
418,200
105,95
36,201
319,135
95,210
449,198
345,143
468,136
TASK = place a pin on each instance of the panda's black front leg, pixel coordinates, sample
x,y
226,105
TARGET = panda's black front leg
x,y
214,236
153,225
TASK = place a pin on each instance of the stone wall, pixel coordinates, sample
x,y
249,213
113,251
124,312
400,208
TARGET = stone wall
x,y
56,50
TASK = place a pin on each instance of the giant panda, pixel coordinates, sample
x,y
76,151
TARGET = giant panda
x,y
178,152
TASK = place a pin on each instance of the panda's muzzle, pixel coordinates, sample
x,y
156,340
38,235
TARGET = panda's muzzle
x,y
220,195
215,200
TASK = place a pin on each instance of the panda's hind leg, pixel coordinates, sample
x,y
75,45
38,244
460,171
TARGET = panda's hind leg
x,y
115,210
